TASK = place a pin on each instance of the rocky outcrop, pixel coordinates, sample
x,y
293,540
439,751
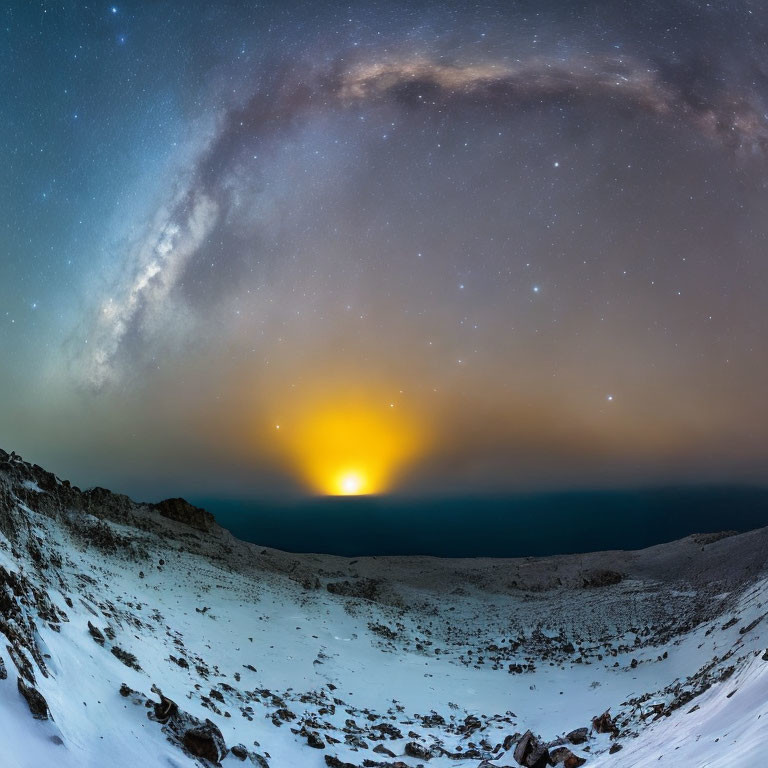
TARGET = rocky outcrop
x,y
45,493
36,702
182,511
96,633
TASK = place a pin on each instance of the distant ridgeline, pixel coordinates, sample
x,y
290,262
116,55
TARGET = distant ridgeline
x,y
501,526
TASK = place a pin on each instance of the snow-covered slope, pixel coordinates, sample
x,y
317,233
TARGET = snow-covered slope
x,y
147,635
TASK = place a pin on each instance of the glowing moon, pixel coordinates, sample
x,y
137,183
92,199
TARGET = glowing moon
x,y
351,484
350,446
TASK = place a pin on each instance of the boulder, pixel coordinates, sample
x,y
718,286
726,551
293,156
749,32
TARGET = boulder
x,y
577,736
205,741
414,749
315,741
165,709
530,753
563,756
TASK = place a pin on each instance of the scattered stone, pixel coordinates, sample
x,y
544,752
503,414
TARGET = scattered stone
x,y
367,589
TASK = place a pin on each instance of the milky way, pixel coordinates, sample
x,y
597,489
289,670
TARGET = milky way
x,y
537,234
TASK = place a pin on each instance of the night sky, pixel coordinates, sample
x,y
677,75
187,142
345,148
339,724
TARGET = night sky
x,y
265,248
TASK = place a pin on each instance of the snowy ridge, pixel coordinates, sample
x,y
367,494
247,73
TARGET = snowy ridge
x,y
147,635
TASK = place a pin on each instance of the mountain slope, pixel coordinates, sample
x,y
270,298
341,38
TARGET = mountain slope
x,y
146,634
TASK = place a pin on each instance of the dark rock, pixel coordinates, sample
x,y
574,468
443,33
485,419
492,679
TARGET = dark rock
x,y
530,753
205,741
334,762
604,723
577,736
315,741
367,589
38,706
563,756
710,538
749,627
96,633
165,709
414,749
601,578
126,657
380,749
615,748
182,511
239,751
388,729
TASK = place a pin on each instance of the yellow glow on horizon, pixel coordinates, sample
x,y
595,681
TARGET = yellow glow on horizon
x,y
351,484
350,448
